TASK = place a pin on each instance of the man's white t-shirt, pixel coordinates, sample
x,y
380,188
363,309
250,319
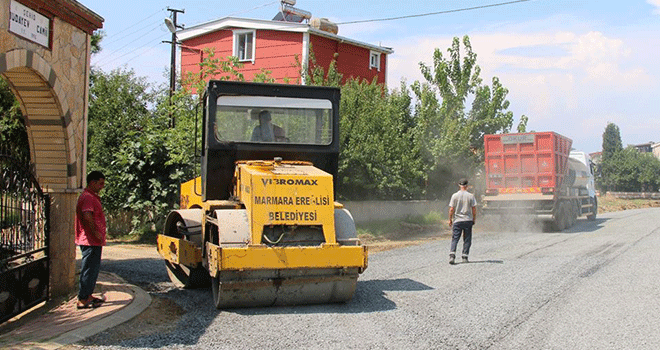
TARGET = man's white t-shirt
x,y
463,202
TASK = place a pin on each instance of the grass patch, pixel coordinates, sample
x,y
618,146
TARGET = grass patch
x,y
431,218
146,237
375,230
382,230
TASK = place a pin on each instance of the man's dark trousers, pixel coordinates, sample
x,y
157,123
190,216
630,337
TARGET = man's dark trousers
x,y
465,228
89,271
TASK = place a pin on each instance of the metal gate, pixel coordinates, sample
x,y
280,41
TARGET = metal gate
x,y
24,234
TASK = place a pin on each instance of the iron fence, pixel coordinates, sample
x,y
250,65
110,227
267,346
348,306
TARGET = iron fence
x,y
24,235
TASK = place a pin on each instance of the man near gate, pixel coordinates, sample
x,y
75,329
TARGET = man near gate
x,y
90,236
462,215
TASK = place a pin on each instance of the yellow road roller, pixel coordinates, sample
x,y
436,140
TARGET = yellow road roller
x,y
261,224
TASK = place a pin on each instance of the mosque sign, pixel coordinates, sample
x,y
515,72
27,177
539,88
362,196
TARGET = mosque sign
x,y
29,24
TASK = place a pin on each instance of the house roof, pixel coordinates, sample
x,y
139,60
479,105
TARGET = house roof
x,y
232,22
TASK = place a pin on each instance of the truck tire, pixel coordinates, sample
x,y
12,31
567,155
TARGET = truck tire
x,y
575,212
594,209
560,219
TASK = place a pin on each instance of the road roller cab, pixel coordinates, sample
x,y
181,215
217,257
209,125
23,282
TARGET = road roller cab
x,y
261,224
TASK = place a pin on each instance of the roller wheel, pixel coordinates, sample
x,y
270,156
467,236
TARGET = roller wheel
x,y
184,277
215,290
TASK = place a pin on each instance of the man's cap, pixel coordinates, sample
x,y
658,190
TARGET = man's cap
x,y
463,182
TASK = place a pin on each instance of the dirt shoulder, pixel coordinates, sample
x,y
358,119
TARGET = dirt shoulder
x,y
405,234
610,203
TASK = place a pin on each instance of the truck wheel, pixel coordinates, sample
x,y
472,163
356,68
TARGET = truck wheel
x,y
560,220
594,209
575,212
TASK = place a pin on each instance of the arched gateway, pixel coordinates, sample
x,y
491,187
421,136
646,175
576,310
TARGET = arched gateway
x,y
45,58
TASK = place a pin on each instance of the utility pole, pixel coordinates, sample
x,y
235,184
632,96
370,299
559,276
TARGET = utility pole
x,y
173,26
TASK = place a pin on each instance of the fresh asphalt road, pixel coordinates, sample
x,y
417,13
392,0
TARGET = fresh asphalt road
x,y
593,286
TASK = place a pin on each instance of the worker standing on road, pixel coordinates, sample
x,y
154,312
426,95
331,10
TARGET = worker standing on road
x,y
90,236
462,214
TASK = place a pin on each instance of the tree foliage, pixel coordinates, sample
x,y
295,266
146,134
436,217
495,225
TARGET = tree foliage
x,y
129,140
96,38
627,169
631,171
13,135
212,67
452,133
605,174
379,159
611,141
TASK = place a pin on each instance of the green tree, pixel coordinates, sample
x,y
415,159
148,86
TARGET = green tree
x,y
13,134
453,132
608,177
379,158
631,171
522,124
218,68
132,146
118,107
611,141
313,73
649,172
96,38
488,115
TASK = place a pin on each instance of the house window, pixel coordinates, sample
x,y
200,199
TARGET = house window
x,y
374,60
244,45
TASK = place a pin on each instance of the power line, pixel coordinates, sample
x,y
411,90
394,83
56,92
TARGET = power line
x,y
241,12
137,53
252,9
134,24
436,13
145,50
110,55
149,25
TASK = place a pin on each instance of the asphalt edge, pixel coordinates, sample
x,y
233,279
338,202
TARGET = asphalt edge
x,y
141,300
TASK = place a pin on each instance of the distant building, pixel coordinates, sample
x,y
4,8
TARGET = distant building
x,y
281,47
596,157
644,147
656,150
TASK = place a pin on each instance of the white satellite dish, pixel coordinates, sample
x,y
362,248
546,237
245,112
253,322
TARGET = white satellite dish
x,y
170,25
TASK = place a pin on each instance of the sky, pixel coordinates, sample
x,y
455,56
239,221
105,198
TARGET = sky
x,y
571,66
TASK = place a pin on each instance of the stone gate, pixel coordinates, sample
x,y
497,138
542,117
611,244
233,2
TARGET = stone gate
x,y
45,57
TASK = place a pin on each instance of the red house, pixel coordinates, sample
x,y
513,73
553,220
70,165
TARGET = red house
x,y
274,46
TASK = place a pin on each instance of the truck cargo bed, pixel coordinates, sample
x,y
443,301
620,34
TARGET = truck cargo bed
x,y
525,163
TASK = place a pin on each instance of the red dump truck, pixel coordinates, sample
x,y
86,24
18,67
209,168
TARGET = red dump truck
x,y
536,176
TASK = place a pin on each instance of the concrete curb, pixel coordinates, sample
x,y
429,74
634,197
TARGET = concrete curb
x,y
140,301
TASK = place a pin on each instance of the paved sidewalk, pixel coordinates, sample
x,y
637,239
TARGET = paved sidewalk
x,y
66,324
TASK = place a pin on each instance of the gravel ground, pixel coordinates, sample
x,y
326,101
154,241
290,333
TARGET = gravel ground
x,y
589,287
